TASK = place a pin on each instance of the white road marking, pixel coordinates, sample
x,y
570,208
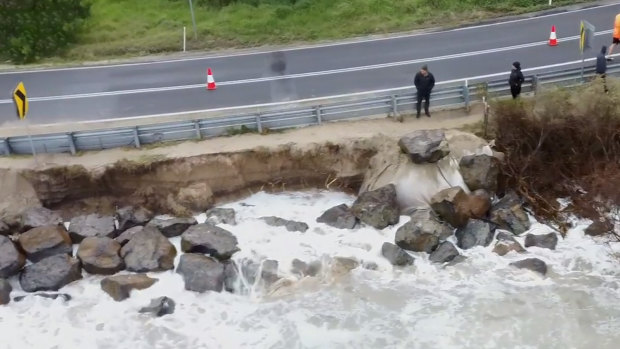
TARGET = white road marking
x,y
299,48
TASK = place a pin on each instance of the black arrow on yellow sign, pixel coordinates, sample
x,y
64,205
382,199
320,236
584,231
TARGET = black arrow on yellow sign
x,y
21,100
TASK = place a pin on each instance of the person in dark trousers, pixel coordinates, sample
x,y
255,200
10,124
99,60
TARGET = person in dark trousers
x,y
424,82
516,80
601,66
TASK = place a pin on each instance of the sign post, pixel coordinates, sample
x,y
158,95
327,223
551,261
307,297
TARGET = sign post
x,y
20,97
586,37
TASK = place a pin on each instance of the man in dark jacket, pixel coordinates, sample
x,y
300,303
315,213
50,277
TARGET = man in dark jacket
x,y
516,80
601,66
424,82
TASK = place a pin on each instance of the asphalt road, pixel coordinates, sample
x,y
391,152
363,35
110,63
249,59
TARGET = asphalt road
x,y
139,89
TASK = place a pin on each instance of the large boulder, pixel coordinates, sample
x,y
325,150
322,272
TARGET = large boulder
x,y
480,172
5,292
35,217
451,205
288,224
445,252
201,273
412,237
159,307
377,208
339,217
11,259
129,217
125,236
119,287
544,240
508,214
425,146
92,225
428,222
475,233
172,227
42,242
211,240
18,194
507,243
50,274
220,215
396,255
148,250
597,228
533,264
100,256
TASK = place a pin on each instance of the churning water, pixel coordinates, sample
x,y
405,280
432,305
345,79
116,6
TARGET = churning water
x,y
480,302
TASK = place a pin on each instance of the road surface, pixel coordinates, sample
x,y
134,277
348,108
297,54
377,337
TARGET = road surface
x,y
150,88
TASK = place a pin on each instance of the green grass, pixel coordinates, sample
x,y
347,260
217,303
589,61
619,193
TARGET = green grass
x,y
120,28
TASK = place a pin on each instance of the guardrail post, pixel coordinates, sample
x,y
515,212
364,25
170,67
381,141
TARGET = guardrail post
x,y
71,143
535,84
197,128
136,138
7,146
394,106
466,95
319,114
259,125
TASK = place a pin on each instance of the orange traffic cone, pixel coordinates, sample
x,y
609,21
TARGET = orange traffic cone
x,y
553,40
210,80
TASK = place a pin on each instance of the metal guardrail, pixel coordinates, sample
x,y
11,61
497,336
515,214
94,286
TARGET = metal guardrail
x,y
391,103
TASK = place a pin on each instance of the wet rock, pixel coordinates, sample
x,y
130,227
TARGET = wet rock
x,y
100,255
5,292
119,287
42,242
343,265
339,217
289,225
35,217
370,265
220,215
425,146
479,204
172,227
129,233
129,217
5,229
428,222
64,296
597,228
445,252
148,250
159,307
299,267
211,240
269,271
412,237
396,255
377,208
11,259
480,172
50,274
201,273
533,264
450,204
475,233
545,240
92,225
507,243
508,214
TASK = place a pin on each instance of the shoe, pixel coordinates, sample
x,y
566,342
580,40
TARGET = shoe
x,y
417,116
428,115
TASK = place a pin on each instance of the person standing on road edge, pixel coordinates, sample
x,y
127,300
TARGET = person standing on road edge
x,y
616,38
601,66
516,80
424,82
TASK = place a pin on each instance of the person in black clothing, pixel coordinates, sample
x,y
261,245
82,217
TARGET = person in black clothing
x,y
516,79
601,66
424,82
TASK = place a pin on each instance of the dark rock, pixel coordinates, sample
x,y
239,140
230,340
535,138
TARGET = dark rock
x,y
480,172
159,307
339,217
100,255
129,217
508,214
302,268
314,268
269,271
377,208
35,217
201,273
428,222
450,204
597,228
148,250
119,287
506,243
42,242
545,240
129,233
92,225
533,264
289,225
50,274
221,215
475,233
412,237
64,296
209,239
425,146
172,227
5,229
445,252
11,259
231,276
396,255
5,292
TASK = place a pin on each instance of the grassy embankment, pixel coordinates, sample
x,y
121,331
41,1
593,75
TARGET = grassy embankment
x,y
120,28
